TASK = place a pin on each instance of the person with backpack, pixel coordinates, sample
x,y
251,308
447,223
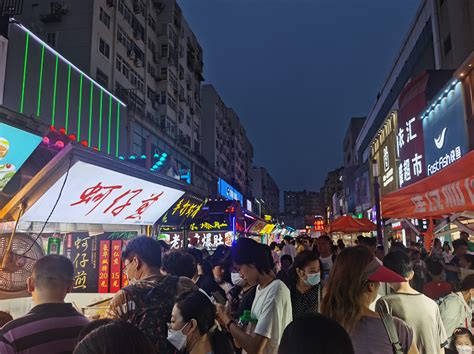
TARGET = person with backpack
x,y
417,310
455,309
351,289
149,299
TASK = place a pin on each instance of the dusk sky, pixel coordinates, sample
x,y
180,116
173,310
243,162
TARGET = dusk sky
x,y
296,71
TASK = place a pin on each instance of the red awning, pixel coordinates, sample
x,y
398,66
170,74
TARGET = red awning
x,y
446,192
347,224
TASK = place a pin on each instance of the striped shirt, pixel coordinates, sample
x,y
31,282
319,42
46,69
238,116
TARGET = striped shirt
x,y
47,328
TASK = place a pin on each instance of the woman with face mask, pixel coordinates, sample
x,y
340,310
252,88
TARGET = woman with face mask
x,y
193,326
305,283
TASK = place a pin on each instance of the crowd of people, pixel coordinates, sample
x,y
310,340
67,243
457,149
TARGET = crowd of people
x,y
300,296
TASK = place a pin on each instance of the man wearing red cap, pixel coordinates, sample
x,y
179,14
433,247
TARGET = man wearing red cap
x,y
417,310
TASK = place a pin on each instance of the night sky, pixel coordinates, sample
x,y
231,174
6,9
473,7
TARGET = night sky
x,y
296,71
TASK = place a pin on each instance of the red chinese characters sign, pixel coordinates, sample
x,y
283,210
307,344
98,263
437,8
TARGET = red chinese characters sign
x,y
95,195
449,191
104,266
115,266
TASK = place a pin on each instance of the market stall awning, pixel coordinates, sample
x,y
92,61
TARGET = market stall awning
x,y
82,187
446,192
347,224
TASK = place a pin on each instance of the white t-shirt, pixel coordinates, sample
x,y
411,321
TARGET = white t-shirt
x,y
272,309
290,250
327,265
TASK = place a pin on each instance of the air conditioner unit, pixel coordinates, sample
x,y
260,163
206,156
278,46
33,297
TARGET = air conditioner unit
x,y
154,104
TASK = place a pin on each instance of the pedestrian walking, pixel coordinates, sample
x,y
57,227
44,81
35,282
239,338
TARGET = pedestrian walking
x,y
305,283
351,289
271,309
417,310
148,300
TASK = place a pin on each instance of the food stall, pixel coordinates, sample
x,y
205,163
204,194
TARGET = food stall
x,y
86,205
346,227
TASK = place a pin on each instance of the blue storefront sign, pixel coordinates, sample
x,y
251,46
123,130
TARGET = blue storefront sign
x,y
444,129
229,192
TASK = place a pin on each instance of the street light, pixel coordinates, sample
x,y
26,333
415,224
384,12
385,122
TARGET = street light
x,y
375,173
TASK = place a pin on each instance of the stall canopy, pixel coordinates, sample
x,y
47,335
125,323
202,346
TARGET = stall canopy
x,y
82,187
447,192
347,224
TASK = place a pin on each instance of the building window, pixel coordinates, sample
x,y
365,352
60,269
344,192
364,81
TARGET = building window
x,y
104,18
104,48
102,78
164,73
52,39
152,23
164,50
447,44
188,120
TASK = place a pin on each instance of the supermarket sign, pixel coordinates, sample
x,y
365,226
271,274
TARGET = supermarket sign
x,y
95,195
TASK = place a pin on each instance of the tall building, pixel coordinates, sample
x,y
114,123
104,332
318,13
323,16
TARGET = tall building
x,y
225,143
331,193
146,54
302,203
351,163
441,36
266,190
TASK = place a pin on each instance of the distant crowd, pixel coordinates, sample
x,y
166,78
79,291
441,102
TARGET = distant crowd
x,y
300,296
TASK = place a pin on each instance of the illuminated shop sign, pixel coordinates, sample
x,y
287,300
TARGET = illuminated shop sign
x,y
184,210
95,195
16,146
384,150
229,192
444,128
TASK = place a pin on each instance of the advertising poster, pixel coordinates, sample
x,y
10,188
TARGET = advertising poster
x,y
16,146
445,130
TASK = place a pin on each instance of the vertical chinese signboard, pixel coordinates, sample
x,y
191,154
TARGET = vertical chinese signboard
x,y
97,262
410,141
115,266
104,266
384,151
82,250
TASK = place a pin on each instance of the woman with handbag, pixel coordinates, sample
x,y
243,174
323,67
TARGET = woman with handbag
x,y
352,287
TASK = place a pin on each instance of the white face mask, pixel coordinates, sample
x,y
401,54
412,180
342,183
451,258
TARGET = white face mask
x,y
464,349
237,279
177,338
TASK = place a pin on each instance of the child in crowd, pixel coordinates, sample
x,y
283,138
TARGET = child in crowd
x,y
462,340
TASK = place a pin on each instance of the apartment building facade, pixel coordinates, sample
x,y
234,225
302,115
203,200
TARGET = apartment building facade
x,y
147,55
266,191
225,143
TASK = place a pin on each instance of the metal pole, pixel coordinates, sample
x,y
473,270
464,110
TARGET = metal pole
x,y
380,238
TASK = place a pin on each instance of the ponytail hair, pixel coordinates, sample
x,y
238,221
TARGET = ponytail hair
x,y
301,260
197,305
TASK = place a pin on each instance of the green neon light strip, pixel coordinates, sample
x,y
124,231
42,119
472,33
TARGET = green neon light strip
x,y
118,131
79,112
67,98
25,63
53,112
40,85
100,121
110,125
90,113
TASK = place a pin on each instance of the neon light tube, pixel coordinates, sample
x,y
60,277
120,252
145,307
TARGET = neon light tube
x,y
53,112
54,52
79,112
67,98
40,85
25,63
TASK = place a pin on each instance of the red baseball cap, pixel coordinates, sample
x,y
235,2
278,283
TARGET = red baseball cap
x,y
377,272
